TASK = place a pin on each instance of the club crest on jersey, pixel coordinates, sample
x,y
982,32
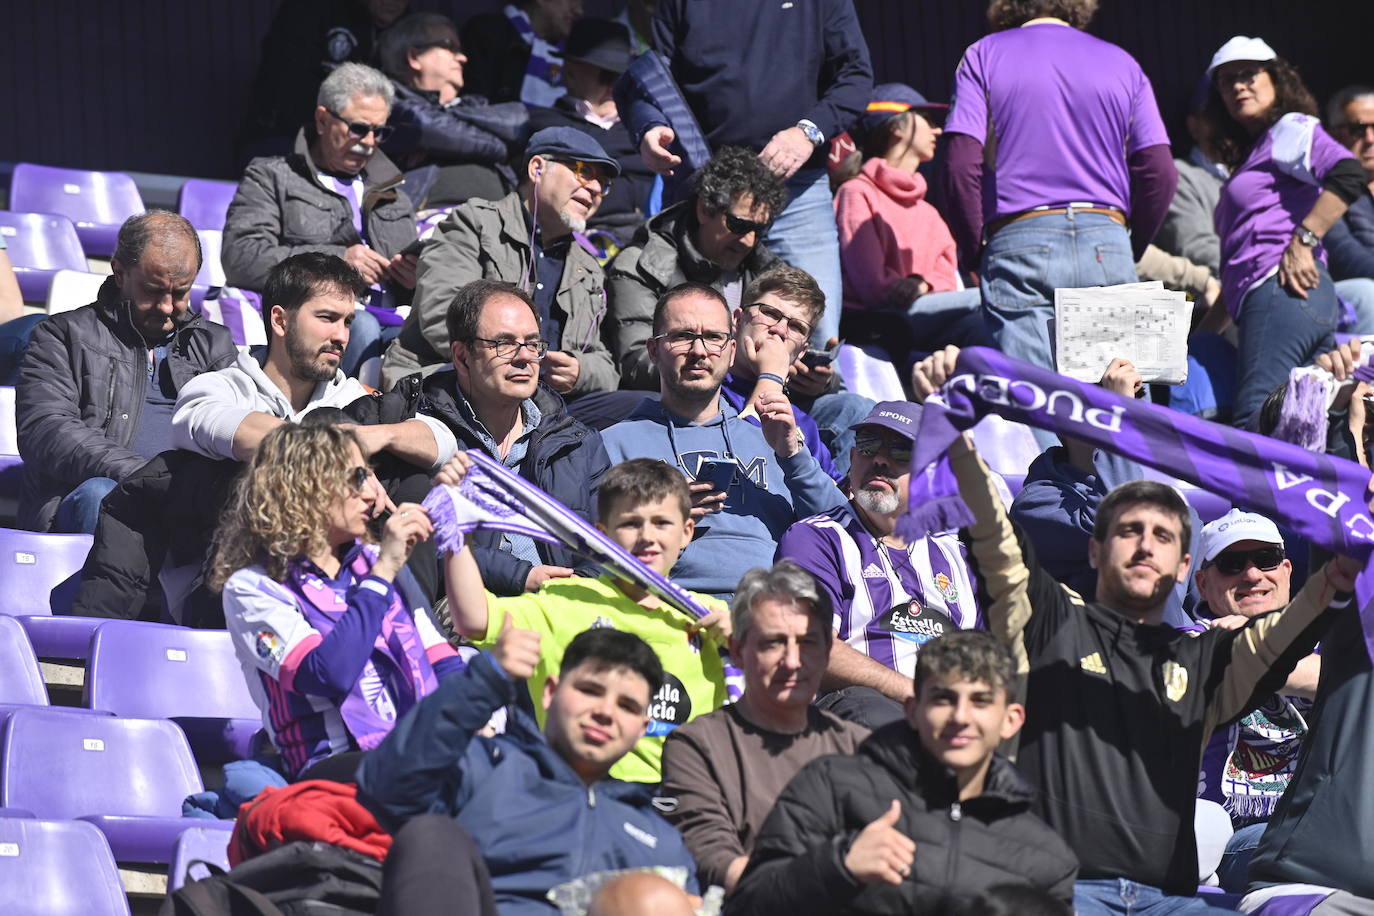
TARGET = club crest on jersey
x,y
945,587
1175,681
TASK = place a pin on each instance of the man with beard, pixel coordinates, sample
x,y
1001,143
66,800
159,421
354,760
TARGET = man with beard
x,y
525,238
890,595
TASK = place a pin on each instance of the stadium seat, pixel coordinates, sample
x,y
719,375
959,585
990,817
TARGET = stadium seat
x,y
98,202
1007,447
11,464
72,289
193,676
128,777
206,203
40,244
38,571
58,868
238,310
211,271
20,679
871,376
196,848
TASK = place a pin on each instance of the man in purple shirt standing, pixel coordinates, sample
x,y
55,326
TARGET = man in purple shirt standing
x,y
1055,148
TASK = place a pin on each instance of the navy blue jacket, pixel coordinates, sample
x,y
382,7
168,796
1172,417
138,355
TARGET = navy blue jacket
x,y
749,70
535,822
1350,242
471,130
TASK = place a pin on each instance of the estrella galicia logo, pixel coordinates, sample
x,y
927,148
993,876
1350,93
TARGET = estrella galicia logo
x,y
670,707
916,623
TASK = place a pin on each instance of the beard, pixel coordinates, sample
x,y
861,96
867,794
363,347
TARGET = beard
x,y
572,222
308,365
877,502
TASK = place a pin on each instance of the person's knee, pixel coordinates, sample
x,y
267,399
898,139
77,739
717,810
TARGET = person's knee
x,y
434,831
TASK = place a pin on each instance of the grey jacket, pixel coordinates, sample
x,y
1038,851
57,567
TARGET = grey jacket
x,y
490,239
662,256
281,208
1188,230
80,396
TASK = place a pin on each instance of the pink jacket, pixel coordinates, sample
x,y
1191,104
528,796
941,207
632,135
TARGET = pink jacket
x,y
889,231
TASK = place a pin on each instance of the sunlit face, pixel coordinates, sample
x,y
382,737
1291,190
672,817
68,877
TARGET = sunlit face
x,y
771,316
727,245
316,334
338,150
879,481
920,134
693,370
561,190
157,286
353,505
439,67
960,722
485,374
782,655
655,533
1250,592
1358,131
1247,91
1141,559
596,714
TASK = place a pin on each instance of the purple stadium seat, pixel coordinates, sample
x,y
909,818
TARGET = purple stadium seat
x,y
239,310
20,679
868,374
58,868
40,244
126,776
195,848
192,676
11,465
206,203
98,202
37,571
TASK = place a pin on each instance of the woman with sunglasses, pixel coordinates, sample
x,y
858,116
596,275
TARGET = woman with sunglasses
x,y
1289,183
332,632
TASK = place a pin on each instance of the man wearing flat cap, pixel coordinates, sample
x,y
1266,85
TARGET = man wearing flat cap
x,y
525,238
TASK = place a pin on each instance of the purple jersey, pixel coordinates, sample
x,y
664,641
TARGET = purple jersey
x,y
1267,197
888,601
1058,112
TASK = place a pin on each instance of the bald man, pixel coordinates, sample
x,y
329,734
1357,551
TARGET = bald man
x,y
640,893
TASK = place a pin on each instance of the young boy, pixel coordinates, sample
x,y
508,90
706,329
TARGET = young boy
x,y
924,816
643,505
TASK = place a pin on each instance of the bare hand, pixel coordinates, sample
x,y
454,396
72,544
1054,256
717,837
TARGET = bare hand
x,y
1342,361
371,439
561,370
718,624
779,423
1122,378
881,852
1356,419
401,270
787,151
773,354
1341,572
1211,292
408,526
540,574
902,293
1298,269
705,499
366,262
453,472
1229,622
381,500
931,373
812,381
653,149
517,650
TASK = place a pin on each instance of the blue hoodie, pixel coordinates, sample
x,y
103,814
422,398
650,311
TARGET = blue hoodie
x,y
535,822
761,504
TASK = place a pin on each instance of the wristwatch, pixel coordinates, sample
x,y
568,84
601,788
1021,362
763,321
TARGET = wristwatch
x,y
813,133
1306,236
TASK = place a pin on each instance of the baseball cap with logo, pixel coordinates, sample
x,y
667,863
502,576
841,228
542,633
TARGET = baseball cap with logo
x,y
902,417
1232,528
889,99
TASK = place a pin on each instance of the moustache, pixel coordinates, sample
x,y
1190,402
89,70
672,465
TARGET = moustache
x,y
359,149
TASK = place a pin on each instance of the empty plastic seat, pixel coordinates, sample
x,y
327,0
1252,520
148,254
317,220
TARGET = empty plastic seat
x,y
869,375
206,203
58,868
72,289
237,309
1007,447
126,776
11,464
196,847
34,565
211,271
39,245
192,676
98,202
20,679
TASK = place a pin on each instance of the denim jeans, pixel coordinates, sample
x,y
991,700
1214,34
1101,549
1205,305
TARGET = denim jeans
x,y
834,413
953,317
804,235
367,341
1359,292
1279,332
1233,874
1120,897
79,510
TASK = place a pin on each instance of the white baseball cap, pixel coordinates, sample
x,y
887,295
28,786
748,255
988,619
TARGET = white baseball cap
x,y
1232,528
1241,47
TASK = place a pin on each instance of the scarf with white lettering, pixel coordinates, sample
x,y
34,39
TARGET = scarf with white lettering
x,y
1321,497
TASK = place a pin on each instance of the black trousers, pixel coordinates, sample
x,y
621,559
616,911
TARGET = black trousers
x,y
435,868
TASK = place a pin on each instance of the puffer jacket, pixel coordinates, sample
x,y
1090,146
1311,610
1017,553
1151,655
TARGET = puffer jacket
x,y
662,256
281,208
962,848
469,130
490,239
81,392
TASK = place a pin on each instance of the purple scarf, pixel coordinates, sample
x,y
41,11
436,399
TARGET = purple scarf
x,y
1321,497
398,672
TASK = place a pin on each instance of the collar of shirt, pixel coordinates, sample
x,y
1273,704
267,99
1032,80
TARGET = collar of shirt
x,y
530,416
588,113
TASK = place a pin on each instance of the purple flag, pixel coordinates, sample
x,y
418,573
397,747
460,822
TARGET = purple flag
x,y
1326,499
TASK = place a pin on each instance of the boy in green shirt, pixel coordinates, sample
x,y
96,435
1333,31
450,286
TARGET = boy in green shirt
x,y
644,506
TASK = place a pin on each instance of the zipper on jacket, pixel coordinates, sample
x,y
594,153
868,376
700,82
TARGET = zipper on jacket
x,y
591,797
956,814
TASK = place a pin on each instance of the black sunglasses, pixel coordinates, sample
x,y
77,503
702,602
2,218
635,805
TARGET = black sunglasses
x,y
358,478
869,442
360,129
448,44
1234,562
740,226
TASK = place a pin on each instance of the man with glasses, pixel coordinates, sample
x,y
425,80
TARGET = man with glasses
x,y
525,238
891,596
750,482
1350,242
337,193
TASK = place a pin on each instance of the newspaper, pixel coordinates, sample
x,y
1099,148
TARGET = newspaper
x,y
1142,322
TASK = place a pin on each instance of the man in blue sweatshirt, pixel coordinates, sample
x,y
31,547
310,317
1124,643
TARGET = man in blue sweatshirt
x,y
750,481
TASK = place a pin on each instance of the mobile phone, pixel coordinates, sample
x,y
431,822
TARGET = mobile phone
x,y
718,472
813,357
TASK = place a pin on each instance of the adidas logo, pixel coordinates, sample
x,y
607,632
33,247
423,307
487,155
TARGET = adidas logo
x,y
1093,664
874,571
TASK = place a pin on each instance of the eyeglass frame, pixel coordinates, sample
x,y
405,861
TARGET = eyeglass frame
x,y
886,439
1249,558
540,348
599,173
691,338
379,131
792,323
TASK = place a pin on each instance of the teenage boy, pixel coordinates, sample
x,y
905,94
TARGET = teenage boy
x,y
644,506
924,816
462,806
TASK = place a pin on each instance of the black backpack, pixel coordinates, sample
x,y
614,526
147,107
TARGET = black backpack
x,y
299,879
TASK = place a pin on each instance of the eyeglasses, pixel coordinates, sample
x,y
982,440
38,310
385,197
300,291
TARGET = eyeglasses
x,y
738,225
870,443
359,130
684,341
773,316
1246,76
358,478
507,349
1355,129
448,44
1234,562
587,172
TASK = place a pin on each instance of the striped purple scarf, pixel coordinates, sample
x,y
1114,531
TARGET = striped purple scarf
x,y
1321,497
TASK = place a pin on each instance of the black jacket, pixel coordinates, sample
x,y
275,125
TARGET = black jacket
x,y
1350,243
797,866
497,57
81,392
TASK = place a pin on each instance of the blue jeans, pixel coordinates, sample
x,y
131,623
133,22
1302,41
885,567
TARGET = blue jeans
x,y
953,317
1359,292
804,235
79,510
1233,874
1279,332
1120,897
834,414
367,340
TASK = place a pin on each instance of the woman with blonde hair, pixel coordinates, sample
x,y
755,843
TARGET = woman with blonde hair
x,y
333,633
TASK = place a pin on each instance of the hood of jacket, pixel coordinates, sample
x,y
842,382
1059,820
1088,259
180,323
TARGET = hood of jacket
x,y
908,188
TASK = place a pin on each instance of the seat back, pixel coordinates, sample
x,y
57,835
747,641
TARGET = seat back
x,y
72,289
1007,447
32,565
153,671
63,764
9,435
206,203
38,245
869,375
196,845
211,270
58,868
20,679
96,198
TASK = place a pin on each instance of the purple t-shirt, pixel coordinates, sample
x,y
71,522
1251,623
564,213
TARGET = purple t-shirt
x,y
1267,197
1058,112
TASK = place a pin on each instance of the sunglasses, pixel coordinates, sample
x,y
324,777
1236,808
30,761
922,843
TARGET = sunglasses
x,y
359,130
448,44
773,316
1357,129
1234,562
587,172
358,478
1246,76
740,226
869,444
